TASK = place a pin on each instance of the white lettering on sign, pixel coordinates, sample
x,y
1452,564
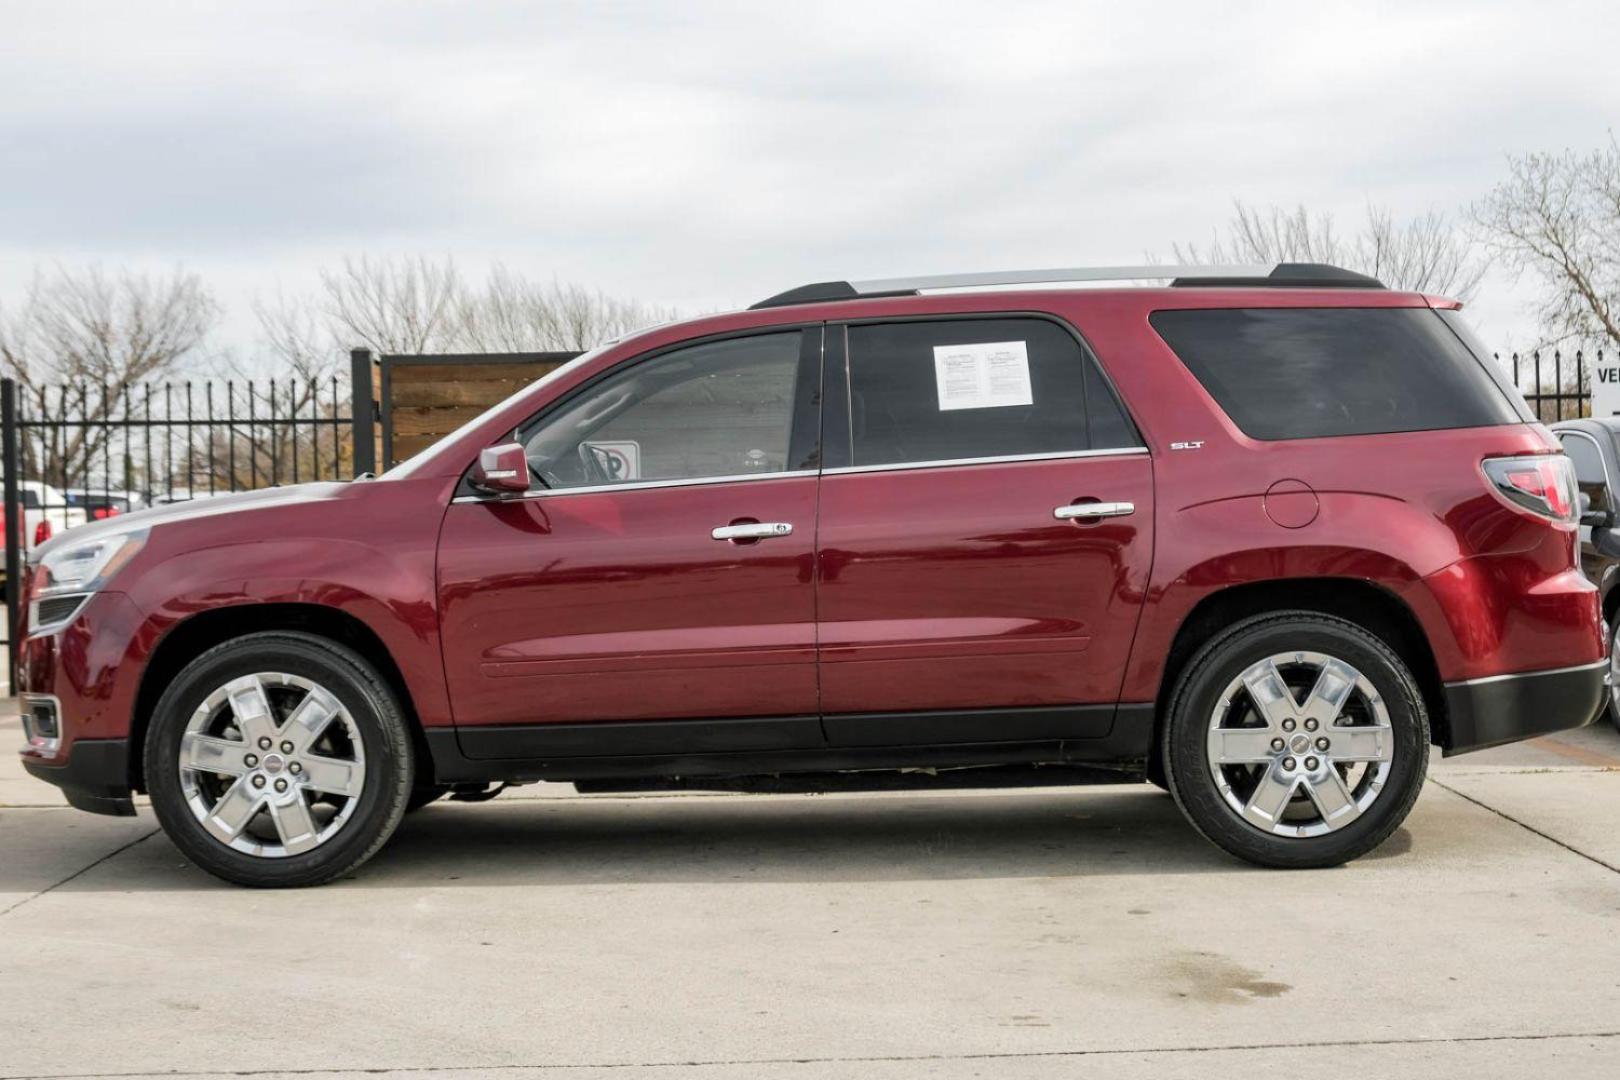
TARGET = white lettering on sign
x,y
1606,387
982,376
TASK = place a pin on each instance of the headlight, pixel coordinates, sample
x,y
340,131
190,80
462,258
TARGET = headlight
x,y
66,577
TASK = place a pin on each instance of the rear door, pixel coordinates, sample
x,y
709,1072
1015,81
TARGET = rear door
x,y
664,573
966,593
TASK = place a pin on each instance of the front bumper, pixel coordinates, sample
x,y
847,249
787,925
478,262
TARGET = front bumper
x,y
1506,708
94,777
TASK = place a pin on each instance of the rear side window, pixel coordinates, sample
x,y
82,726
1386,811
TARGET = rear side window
x,y
1301,373
976,388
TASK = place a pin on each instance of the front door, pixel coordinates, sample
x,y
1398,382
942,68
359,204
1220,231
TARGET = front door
x,y
985,548
663,572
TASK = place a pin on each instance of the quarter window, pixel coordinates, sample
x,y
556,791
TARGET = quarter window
x,y
1302,373
976,388
718,409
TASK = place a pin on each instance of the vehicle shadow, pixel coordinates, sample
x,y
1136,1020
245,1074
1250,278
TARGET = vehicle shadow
x,y
1055,832
1059,832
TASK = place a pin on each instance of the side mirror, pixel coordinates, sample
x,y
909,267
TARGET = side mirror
x,y
502,470
1597,519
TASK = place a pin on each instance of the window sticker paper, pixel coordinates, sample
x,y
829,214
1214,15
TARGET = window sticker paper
x,y
990,376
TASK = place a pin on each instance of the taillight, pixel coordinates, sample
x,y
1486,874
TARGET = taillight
x,y
42,532
1541,483
102,513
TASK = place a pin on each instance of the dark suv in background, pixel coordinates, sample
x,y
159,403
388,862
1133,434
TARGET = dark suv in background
x,y
1261,535
1591,445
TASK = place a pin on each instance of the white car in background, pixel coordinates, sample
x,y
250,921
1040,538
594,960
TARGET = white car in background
x,y
46,512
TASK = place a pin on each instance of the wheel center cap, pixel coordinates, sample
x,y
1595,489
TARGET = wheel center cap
x,y
1298,744
273,763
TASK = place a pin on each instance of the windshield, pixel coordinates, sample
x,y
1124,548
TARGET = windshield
x,y
418,464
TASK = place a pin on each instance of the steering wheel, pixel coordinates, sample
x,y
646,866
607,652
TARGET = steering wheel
x,y
590,460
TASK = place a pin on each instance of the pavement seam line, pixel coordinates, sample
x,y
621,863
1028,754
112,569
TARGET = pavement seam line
x,y
79,872
1326,1044
1526,827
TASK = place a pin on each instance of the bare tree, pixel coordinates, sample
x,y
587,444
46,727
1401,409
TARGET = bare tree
x,y
1424,253
514,314
393,305
87,339
1558,216
82,326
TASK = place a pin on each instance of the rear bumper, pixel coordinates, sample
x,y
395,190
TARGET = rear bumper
x,y
1506,708
94,777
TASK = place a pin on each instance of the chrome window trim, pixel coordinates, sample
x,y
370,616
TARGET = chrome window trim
x,y
899,466
638,485
946,463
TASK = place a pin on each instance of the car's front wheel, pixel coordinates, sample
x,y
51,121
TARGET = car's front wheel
x,y
1296,740
278,759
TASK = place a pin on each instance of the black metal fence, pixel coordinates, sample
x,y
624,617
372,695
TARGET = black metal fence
x,y
74,454
1557,386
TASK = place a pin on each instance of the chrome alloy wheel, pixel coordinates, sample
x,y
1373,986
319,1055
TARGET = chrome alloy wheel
x,y
272,765
1300,744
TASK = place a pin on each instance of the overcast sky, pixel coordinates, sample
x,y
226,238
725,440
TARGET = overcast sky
x,y
705,155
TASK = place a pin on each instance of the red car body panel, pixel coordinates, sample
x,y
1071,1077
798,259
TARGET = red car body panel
x,y
954,588
619,605
926,588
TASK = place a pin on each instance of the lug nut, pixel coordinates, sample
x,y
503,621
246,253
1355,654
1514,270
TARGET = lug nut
x,y
1288,725
286,747
1322,743
281,785
1310,725
258,781
251,760
295,768
1276,744
264,743
1288,763
1311,763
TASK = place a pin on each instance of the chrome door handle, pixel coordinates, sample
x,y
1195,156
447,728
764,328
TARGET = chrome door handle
x,y
758,530
1093,510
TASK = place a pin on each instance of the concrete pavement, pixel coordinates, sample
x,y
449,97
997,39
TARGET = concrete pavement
x,y
1083,931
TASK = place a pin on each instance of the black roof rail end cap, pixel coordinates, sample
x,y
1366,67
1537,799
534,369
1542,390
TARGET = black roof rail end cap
x,y
821,292
1291,276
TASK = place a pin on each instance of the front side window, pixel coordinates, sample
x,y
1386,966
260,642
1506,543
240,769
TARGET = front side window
x,y
717,409
1589,475
951,389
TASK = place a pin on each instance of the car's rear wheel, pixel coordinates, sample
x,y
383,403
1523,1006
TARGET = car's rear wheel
x,y
1296,740
1614,673
278,759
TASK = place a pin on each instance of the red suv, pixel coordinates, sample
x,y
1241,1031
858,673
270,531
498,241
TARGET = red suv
x,y
1259,536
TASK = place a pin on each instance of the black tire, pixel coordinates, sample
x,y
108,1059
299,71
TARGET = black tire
x,y
1609,710
1198,691
388,772
422,796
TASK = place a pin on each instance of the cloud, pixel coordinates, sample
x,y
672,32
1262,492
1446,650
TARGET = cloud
x,y
706,154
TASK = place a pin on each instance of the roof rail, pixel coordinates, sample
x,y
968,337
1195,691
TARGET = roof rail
x,y
1271,275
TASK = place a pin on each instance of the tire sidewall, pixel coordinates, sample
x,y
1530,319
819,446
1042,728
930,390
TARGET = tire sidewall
x,y
1205,680
388,763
